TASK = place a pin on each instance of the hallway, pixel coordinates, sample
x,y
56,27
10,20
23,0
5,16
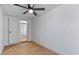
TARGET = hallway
x,y
27,48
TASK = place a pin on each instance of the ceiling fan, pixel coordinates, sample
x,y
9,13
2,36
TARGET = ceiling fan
x,y
30,8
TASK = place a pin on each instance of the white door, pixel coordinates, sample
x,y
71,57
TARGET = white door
x,y
14,30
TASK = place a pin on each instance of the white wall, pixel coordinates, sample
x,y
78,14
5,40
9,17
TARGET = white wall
x,y
1,31
5,30
29,30
58,29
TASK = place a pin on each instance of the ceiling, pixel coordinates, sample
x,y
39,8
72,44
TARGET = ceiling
x,y
12,10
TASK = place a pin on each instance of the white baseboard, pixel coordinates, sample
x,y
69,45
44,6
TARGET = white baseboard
x,y
48,47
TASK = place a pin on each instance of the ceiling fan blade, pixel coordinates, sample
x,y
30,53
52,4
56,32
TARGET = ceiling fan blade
x,y
35,13
20,6
25,11
29,6
38,8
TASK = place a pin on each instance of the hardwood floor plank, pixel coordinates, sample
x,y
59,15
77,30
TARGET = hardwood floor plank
x,y
27,48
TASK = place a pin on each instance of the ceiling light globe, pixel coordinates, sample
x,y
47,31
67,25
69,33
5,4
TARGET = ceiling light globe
x,y
30,11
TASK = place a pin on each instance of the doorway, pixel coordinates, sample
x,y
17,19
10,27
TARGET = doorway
x,y
23,31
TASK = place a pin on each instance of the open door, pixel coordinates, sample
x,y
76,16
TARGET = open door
x,y
23,30
14,30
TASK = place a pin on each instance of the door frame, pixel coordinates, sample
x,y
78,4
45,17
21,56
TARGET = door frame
x,y
26,23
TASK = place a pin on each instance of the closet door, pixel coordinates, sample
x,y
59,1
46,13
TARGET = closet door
x,y
14,30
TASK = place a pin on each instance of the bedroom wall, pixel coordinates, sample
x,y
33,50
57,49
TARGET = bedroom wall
x,y
5,30
58,29
1,31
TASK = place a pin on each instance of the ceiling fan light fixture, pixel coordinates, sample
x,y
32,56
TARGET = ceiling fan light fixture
x,y
30,8
30,11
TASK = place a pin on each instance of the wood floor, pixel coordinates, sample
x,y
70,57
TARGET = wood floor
x,y
23,38
27,48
